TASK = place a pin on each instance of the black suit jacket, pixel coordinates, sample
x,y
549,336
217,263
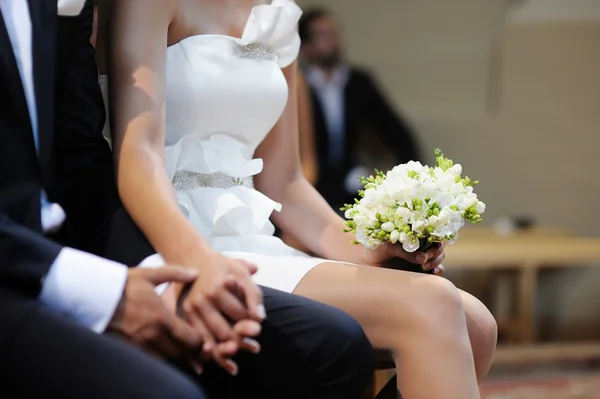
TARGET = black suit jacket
x,y
366,109
74,164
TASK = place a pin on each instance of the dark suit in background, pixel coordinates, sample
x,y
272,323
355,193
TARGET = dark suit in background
x,y
365,110
347,106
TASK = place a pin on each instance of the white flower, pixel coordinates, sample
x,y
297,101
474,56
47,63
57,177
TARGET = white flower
x,y
403,213
470,201
372,198
358,218
411,244
480,207
442,231
456,169
365,240
372,222
388,227
419,226
414,203
394,236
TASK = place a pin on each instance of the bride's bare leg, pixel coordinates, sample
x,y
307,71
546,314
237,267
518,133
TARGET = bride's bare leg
x,y
419,317
483,333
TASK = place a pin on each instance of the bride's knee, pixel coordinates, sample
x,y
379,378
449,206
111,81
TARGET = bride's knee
x,y
436,304
440,294
483,334
483,329
489,329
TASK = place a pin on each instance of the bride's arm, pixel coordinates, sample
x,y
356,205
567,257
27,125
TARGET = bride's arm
x,y
305,215
308,151
137,65
137,69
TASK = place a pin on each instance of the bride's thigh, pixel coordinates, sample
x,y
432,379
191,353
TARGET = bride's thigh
x,y
384,301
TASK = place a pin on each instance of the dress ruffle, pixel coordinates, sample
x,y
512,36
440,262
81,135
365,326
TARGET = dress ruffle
x,y
275,25
237,210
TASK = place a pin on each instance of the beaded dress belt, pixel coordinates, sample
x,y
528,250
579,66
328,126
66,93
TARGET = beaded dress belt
x,y
186,180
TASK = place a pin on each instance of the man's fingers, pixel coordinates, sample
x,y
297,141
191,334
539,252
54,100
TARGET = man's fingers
x,y
184,333
250,345
164,346
215,322
222,354
226,364
237,289
229,348
247,328
197,366
232,306
194,318
254,299
167,274
438,271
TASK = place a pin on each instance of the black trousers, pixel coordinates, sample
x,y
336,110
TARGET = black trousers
x,y
309,350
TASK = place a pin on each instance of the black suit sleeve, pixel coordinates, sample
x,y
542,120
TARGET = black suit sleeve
x,y
25,257
83,159
392,128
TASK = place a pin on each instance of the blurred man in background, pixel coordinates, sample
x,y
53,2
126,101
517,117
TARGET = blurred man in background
x,y
348,108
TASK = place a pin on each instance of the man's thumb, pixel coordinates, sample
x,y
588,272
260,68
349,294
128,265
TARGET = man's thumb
x,y
167,274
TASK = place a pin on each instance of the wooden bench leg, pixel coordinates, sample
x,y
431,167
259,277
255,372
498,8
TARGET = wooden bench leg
x,y
527,292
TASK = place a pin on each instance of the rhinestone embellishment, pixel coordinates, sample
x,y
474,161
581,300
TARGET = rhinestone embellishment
x,y
185,180
253,51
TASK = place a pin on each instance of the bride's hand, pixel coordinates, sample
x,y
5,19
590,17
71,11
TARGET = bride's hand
x,y
213,298
388,254
175,294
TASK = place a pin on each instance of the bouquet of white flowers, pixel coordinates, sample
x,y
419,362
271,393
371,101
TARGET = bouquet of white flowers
x,y
413,205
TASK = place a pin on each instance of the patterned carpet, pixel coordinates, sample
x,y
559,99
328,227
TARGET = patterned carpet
x,y
544,384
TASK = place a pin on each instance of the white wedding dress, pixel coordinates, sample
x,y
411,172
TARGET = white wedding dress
x,y
224,95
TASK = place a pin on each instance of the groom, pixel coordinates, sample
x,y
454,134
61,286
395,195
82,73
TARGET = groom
x,y
56,302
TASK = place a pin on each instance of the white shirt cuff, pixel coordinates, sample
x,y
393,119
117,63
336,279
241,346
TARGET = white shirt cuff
x,y
84,287
154,261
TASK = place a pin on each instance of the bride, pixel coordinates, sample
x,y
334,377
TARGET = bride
x,y
205,137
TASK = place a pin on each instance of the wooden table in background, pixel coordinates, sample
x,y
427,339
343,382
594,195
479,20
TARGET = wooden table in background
x,y
526,252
